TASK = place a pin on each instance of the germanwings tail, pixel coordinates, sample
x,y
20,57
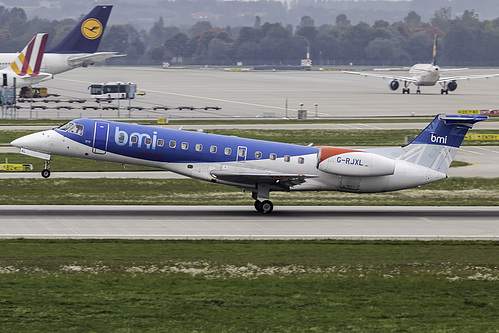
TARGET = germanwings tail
x,y
86,36
436,146
29,61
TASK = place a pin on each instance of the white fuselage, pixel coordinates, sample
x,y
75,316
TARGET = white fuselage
x,y
52,63
425,74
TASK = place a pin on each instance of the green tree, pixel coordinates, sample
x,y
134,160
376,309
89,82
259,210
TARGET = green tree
x,y
115,39
177,45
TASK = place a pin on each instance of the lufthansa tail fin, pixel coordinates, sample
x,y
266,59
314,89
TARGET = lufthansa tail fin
x,y
86,36
29,61
436,146
434,62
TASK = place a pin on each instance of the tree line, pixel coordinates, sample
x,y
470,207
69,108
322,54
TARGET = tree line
x,y
464,40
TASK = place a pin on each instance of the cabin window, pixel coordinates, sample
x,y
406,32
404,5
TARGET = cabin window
x,y
185,145
199,147
301,160
134,139
148,141
213,149
241,152
287,158
160,143
258,154
273,156
228,151
121,138
173,144
76,129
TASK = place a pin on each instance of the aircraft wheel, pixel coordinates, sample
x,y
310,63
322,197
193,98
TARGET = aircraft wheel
x,y
45,173
266,207
258,206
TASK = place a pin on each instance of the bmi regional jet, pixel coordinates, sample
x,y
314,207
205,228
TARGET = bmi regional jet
x,y
426,75
78,48
258,166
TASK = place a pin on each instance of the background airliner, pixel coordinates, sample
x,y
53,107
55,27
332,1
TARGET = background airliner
x,y
425,75
255,165
78,48
25,68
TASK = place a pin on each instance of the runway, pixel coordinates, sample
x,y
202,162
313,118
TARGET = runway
x,y
238,222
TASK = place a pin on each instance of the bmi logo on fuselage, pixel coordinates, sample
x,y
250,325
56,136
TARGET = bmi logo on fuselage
x,y
122,138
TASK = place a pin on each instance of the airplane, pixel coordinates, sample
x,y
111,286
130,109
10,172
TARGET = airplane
x,y
25,68
254,165
78,48
425,75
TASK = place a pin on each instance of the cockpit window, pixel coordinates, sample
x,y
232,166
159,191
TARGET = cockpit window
x,y
66,126
76,129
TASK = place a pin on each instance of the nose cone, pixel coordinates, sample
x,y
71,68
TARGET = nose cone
x,y
36,141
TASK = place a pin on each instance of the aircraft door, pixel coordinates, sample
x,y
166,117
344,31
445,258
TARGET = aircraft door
x,y
101,132
241,154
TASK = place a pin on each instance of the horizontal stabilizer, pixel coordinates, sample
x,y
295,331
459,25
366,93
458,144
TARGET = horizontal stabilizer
x,y
91,58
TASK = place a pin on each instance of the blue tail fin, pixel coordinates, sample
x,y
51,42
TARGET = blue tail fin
x,y
434,61
436,146
86,36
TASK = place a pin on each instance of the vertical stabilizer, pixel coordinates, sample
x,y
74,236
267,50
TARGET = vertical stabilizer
x,y
29,61
434,62
436,146
86,36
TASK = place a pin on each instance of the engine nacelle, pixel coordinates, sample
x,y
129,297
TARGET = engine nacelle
x,y
358,164
394,84
452,85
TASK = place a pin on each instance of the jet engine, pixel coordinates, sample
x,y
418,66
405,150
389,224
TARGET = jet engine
x,y
394,84
452,85
359,164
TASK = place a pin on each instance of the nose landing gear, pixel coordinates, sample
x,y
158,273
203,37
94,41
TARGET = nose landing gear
x,y
46,171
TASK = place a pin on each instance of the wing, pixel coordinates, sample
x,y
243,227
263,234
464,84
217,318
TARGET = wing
x,y
282,180
89,59
469,77
384,76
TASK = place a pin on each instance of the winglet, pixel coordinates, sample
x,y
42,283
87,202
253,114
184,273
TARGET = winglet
x,y
30,59
86,36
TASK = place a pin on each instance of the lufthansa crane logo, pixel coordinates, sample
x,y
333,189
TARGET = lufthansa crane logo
x,y
91,28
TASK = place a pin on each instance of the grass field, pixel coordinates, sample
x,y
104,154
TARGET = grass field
x,y
248,286
449,192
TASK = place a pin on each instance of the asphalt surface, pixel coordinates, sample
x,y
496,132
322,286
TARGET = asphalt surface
x,y
236,222
257,94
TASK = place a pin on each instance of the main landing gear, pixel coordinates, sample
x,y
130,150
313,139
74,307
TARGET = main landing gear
x,y
406,88
264,207
262,203
46,171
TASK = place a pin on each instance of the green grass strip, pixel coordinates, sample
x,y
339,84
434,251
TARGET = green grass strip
x,y
449,192
248,286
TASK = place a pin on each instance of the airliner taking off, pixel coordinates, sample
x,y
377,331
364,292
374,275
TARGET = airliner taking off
x,y
78,48
25,68
258,166
426,75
